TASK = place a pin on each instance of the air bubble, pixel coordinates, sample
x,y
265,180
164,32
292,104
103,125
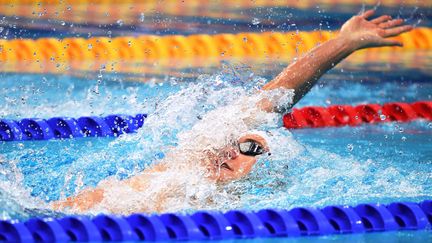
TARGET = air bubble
x,y
256,21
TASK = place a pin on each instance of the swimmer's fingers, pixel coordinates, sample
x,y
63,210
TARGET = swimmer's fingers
x,y
381,19
367,14
391,23
390,42
397,30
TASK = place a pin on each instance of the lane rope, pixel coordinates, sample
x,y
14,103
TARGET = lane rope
x,y
153,48
214,225
306,117
66,127
346,115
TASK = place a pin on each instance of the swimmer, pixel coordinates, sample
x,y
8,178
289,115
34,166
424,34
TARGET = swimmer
x,y
236,160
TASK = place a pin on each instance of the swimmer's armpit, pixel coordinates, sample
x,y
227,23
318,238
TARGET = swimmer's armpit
x,y
357,33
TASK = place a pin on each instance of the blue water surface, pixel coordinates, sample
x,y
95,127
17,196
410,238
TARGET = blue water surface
x,y
385,155
344,165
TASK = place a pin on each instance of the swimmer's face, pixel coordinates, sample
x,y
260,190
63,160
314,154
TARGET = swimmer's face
x,y
231,164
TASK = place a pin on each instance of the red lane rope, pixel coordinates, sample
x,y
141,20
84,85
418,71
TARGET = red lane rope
x,y
346,115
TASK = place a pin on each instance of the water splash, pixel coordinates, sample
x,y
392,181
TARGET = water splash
x,y
199,119
204,115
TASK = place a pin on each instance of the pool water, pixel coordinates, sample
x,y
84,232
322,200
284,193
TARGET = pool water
x,y
401,236
327,166
345,165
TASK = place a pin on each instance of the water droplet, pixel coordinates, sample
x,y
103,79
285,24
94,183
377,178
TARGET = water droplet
x,y
382,117
63,23
256,21
350,147
96,90
142,17
90,46
403,138
120,22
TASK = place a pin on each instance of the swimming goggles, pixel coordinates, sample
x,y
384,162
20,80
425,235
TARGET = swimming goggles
x,y
250,148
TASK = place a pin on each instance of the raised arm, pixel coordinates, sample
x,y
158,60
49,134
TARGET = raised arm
x,y
357,33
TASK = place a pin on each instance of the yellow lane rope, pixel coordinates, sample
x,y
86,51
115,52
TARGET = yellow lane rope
x,y
150,54
152,47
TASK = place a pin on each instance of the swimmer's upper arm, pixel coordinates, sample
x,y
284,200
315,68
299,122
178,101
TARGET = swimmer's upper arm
x,y
83,201
90,197
302,74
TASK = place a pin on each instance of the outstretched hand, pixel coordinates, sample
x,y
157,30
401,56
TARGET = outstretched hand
x,y
363,33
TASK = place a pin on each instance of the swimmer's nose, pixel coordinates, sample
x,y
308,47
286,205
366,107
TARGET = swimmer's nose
x,y
233,153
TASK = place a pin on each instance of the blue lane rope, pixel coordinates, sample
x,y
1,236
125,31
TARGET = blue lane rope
x,y
66,127
235,224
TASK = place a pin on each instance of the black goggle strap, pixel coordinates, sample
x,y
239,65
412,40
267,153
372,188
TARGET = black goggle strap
x,y
251,148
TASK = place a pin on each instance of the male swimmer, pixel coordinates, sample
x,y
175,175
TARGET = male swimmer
x,y
237,159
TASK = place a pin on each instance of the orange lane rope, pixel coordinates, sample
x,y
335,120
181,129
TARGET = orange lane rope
x,y
152,48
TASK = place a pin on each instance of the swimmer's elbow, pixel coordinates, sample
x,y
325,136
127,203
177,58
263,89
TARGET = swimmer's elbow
x,y
268,106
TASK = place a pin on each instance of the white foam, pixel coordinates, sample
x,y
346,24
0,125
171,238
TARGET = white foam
x,y
204,117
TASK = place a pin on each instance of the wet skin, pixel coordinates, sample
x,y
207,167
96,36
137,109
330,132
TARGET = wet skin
x,y
231,165
228,165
